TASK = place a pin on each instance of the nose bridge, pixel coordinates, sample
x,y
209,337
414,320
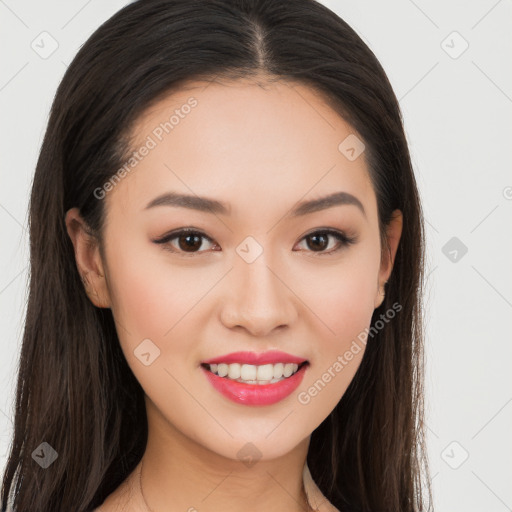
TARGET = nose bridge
x,y
258,298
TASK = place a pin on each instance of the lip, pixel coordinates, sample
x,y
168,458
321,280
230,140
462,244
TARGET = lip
x,y
255,394
269,357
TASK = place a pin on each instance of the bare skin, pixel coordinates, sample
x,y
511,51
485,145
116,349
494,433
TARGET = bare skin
x,y
260,150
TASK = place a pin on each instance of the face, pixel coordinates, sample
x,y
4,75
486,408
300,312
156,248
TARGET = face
x,y
259,272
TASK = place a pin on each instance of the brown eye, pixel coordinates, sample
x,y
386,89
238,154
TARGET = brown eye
x,y
318,241
188,241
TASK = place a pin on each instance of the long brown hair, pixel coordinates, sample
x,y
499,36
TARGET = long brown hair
x,y
75,390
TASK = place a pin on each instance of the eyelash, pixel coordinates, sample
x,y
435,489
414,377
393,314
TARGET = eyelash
x,y
343,239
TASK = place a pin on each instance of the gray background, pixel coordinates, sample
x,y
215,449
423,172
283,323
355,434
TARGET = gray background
x,y
456,103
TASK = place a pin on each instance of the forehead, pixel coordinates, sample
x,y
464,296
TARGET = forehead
x,y
241,142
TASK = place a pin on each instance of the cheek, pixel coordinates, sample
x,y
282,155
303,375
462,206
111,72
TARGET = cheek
x,y
150,296
152,301
347,306
341,296
139,297
347,312
342,300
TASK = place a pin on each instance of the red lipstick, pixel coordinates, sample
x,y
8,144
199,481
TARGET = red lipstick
x,y
256,394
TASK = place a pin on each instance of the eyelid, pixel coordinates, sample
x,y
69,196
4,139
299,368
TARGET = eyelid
x,y
344,239
166,239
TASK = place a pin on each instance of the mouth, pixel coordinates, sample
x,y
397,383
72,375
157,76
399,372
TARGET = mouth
x,y
273,376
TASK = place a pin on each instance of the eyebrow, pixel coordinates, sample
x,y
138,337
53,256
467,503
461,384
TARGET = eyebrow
x,y
205,204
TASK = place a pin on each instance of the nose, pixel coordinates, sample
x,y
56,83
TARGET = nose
x,y
258,298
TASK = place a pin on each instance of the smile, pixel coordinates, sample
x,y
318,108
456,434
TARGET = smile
x,y
270,378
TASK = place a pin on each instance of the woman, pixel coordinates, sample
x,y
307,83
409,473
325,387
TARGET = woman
x,y
189,343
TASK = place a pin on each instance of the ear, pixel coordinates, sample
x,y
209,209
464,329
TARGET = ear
x,y
393,234
88,259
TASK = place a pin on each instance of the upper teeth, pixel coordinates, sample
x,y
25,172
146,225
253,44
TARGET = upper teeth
x,y
254,374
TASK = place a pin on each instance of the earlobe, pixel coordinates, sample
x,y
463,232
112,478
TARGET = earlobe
x,y
379,298
88,259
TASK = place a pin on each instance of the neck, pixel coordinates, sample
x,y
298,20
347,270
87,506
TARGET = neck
x,y
178,474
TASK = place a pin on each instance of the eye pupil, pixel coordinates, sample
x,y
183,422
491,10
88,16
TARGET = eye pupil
x,y
196,244
316,237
